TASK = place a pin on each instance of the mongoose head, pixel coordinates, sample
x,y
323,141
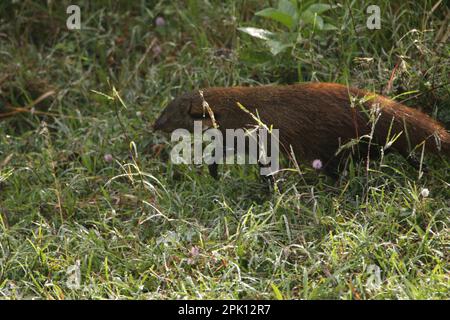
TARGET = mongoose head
x,y
181,113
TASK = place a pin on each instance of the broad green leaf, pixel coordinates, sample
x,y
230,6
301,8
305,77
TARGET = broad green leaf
x,y
277,15
307,17
290,8
257,32
329,26
287,7
312,18
319,8
277,47
319,22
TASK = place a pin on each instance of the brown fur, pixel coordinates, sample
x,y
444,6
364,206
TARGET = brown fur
x,y
314,118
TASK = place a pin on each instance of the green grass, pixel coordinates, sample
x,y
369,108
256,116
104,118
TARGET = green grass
x,y
74,225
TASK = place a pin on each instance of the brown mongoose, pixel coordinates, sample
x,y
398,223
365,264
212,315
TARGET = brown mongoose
x,y
315,119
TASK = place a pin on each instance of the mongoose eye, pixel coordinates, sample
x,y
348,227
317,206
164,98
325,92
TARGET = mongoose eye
x,y
199,116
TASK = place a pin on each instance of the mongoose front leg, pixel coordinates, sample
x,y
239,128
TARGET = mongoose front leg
x,y
415,163
212,168
269,179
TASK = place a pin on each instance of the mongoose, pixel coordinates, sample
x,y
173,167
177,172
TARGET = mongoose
x,y
315,119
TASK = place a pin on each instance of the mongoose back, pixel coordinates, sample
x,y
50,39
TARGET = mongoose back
x,y
315,119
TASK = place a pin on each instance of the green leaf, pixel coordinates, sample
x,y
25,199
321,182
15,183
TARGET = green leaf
x,y
307,16
257,32
312,18
277,15
319,22
287,7
276,291
319,8
329,26
277,47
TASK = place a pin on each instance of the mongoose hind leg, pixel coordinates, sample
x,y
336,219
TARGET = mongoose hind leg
x,y
413,161
416,164
212,168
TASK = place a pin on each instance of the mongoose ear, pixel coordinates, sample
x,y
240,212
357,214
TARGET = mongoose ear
x,y
196,109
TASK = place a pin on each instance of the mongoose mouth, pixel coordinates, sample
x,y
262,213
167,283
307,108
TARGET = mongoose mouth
x,y
155,126
160,123
158,126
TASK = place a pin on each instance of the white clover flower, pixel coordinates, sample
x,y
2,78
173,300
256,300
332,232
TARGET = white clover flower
x,y
425,192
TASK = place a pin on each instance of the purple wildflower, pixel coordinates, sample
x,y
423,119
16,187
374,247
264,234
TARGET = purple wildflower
x,y
108,157
160,22
317,164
